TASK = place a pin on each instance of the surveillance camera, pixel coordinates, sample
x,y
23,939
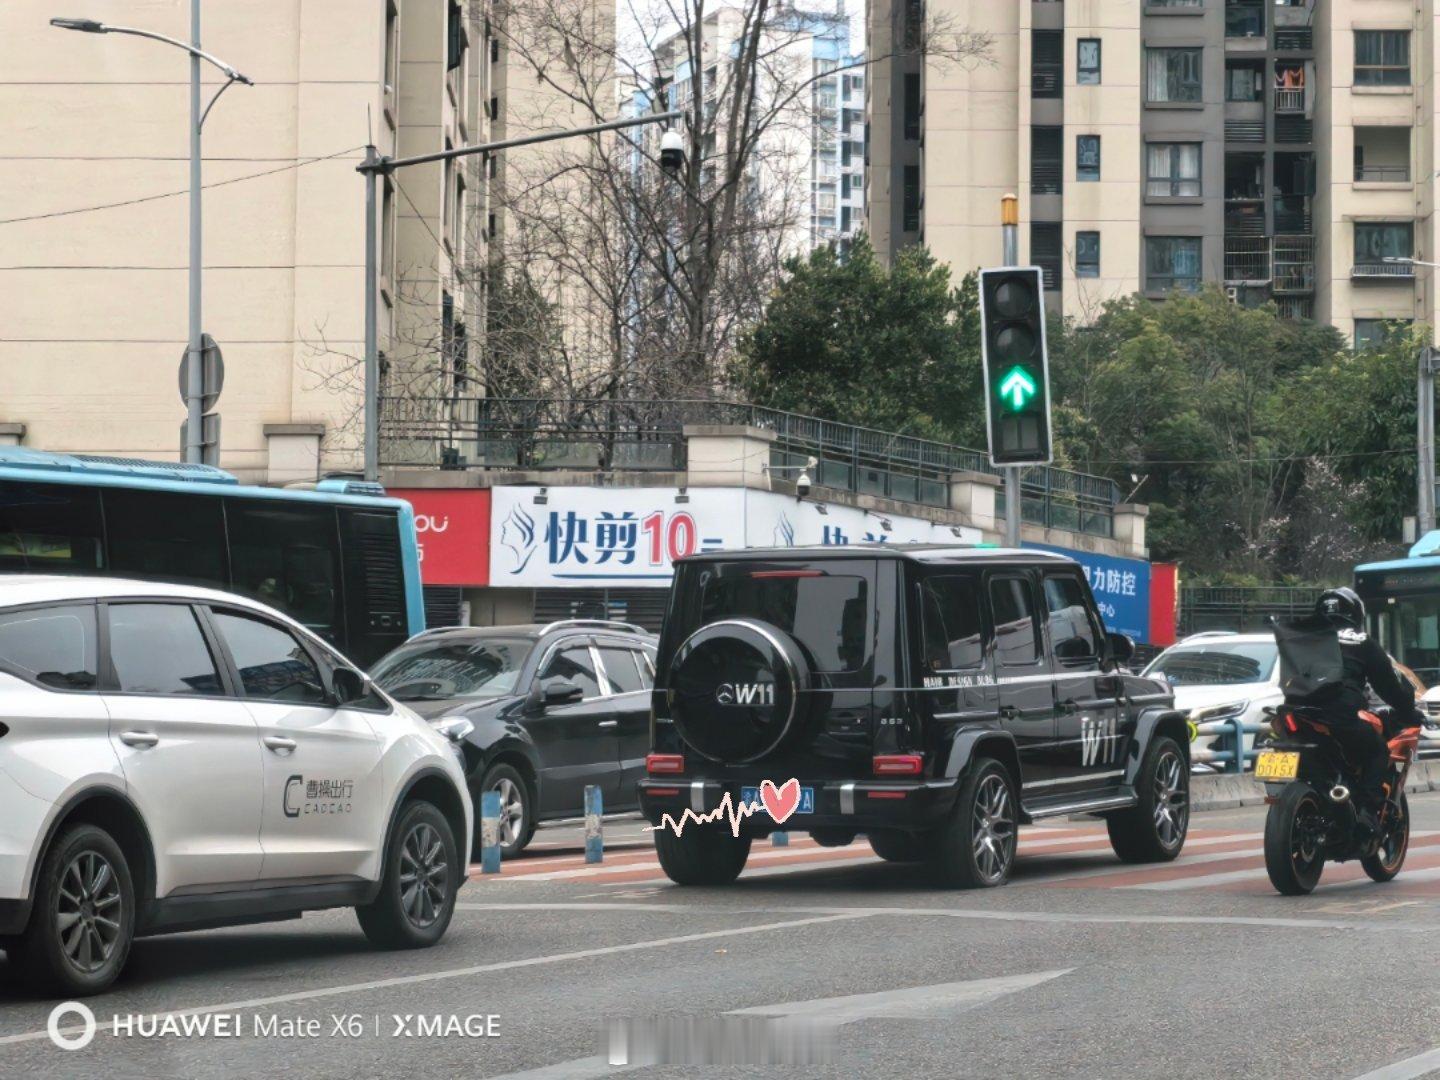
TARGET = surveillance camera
x,y
802,485
672,152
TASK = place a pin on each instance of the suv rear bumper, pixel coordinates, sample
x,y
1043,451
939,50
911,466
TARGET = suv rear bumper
x,y
846,804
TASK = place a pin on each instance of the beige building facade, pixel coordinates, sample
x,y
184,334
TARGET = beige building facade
x,y
96,299
1285,150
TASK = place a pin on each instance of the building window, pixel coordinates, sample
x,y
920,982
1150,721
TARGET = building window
x,y
910,209
1087,157
1087,62
1244,82
912,106
1172,75
447,188
1377,241
1046,160
455,42
1045,251
1172,169
392,49
1372,333
1172,262
457,219
1047,63
387,231
1087,254
1174,3
1382,58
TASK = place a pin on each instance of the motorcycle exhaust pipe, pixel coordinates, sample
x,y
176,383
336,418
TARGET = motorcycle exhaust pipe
x,y
1339,793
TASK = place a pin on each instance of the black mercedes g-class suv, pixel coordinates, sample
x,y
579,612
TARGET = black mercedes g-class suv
x,y
933,698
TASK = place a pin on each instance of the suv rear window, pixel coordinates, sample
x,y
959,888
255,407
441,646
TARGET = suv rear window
x,y
827,614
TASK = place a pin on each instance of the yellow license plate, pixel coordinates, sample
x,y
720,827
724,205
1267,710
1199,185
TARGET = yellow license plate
x,y
1277,765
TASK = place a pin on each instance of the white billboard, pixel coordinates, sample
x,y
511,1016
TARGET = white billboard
x,y
581,536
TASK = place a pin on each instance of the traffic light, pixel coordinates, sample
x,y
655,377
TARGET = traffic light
x,y
1017,368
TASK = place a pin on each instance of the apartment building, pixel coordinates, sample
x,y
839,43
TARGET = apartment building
x,y
811,159
1282,148
96,299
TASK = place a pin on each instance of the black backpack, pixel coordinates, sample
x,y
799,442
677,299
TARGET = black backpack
x,y
1311,666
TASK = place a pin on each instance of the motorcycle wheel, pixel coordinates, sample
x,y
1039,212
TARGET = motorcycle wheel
x,y
1295,840
1387,861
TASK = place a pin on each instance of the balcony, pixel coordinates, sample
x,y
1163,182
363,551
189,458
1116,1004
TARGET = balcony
x,y
1382,155
1382,271
1247,259
1292,214
1244,20
1290,100
1294,261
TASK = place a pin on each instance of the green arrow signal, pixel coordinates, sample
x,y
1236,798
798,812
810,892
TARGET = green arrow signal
x,y
1018,386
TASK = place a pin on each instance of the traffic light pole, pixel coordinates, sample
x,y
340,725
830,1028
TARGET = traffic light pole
x,y
1010,234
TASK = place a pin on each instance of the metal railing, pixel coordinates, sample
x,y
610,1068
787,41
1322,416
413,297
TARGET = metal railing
x,y
538,434
1289,100
1382,270
1242,608
1391,173
1247,258
1294,264
1233,757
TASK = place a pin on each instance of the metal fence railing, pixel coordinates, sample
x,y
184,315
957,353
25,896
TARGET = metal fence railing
x,y
1242,608
604,435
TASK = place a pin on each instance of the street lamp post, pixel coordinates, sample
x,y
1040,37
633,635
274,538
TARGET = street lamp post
x,y
195,387
375,166
1424,423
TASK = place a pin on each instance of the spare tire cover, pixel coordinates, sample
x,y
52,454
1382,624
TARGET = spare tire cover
x,y
737,689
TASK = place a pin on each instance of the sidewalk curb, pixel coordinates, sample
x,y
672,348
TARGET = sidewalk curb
x,y
1226,791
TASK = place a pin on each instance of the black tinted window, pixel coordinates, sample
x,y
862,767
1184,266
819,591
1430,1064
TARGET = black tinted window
x,y
1015,638
951,613
575,665
829,615
158,649
154,534
287,557
272,664
621,670
1072,634
49,527
54,646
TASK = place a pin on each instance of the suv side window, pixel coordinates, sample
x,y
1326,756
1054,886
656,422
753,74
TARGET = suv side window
x,y
52,646
574,663
953,633
1017,637
622,669
1073,635
159,649
273,666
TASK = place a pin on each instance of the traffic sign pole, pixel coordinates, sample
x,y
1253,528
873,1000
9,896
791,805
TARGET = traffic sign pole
x,y
1010,234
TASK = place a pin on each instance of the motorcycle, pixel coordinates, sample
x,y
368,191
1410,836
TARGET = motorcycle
x,y
1312,819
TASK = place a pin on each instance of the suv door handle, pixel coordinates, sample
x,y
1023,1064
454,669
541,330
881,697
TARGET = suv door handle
x,y
1008,712
1069,705
608,723
141,740
279,743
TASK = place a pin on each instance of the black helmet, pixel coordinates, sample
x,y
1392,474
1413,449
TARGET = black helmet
x,y
1341,607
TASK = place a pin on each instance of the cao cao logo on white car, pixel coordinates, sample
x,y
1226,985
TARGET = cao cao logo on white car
x,y
317,796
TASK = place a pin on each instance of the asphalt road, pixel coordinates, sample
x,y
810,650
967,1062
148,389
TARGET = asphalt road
x,y
1080,967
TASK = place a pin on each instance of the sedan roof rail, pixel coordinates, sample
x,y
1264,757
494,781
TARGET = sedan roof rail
x,y
601,624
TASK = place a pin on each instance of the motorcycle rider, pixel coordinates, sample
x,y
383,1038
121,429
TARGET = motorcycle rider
x,y
1364,662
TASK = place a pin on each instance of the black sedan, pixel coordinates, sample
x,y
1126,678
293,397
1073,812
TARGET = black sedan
x,y
555,708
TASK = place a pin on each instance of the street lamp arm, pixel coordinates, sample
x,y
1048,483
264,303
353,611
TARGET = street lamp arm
x,y
90,27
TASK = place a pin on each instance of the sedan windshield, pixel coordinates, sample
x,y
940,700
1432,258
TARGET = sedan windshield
x,y
1215,663
437,670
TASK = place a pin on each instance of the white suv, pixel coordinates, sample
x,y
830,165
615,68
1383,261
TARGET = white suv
x,y
175,758
1219,675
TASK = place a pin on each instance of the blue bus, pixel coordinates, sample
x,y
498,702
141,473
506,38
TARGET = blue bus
x,y
1402,597
340,558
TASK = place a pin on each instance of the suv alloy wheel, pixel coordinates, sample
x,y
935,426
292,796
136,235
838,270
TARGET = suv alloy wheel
x,y
422,875
83,921
1153,830
975,849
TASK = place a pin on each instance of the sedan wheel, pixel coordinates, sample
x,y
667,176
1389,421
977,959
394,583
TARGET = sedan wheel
x,y
512,812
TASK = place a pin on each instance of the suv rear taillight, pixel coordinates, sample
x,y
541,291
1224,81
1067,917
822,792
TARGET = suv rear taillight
x,y
897,764
664,764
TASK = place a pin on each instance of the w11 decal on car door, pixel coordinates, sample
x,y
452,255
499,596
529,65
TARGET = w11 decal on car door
x,y
1097,740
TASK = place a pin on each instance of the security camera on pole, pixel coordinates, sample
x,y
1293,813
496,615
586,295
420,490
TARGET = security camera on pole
x,y
1017,366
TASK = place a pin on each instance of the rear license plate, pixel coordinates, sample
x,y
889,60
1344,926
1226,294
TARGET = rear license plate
x,y
750,796
1277,765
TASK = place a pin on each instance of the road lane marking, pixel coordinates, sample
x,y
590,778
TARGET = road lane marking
x,y
460,973
905,1003
1419,1065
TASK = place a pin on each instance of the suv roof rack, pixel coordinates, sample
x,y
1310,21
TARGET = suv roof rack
x,y
603,624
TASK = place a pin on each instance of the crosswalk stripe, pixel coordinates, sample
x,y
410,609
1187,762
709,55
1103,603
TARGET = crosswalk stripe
x,y
1254,868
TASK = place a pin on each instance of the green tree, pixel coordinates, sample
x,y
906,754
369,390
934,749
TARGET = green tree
x,y
850,339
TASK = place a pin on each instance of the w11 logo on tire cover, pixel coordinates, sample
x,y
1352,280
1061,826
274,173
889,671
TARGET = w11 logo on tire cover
x,y
745,694
1097,739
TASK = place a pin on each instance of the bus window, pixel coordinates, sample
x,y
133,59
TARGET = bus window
x,y
49,528
374,584
165,537
287,557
